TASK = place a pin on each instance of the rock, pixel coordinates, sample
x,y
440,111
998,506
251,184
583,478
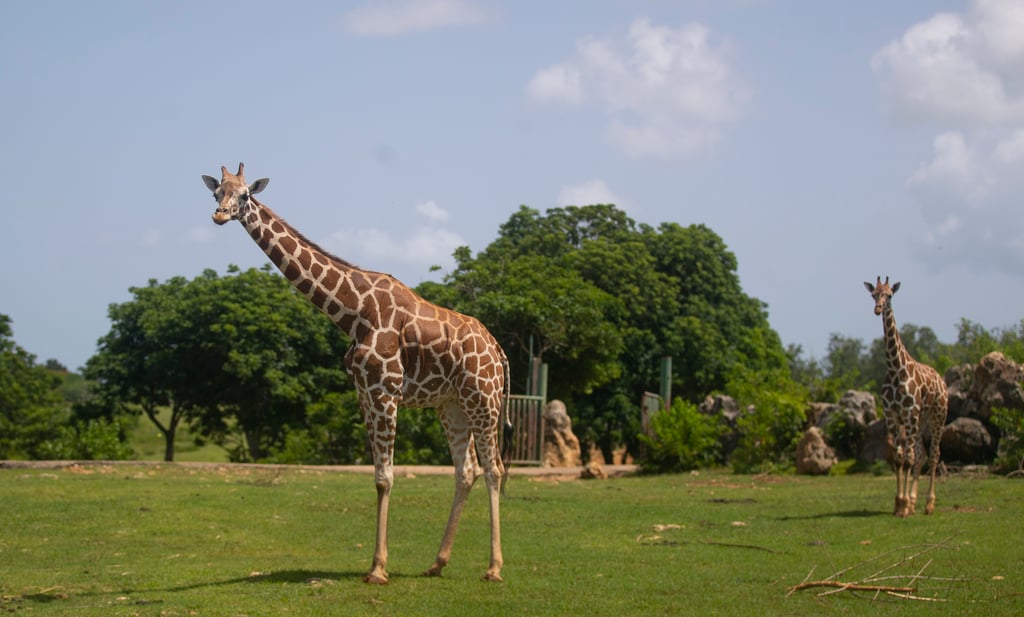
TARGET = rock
x,y
855,410
727,410
561,446
813,455
997,383
593,471
958,384
966,440
816,412
874,446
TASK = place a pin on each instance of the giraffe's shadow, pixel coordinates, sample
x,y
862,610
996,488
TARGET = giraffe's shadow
x,y
280,576
842,514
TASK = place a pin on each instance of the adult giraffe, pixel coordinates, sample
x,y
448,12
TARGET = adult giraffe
x,y
404,350
912,392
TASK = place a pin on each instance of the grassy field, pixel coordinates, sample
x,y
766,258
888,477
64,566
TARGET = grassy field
x,y
169,540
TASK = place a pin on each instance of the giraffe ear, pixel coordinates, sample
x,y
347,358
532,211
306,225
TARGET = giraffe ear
x,y
259,185
870,287
211,183
896,287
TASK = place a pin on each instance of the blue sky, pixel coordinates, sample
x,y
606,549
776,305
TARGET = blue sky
x,y
826,142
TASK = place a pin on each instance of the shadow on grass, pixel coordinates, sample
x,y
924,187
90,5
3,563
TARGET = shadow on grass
x,y
302,577
305,577
843,514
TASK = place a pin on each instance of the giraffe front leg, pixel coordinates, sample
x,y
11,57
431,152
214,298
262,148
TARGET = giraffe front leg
x,y
378,570
381,427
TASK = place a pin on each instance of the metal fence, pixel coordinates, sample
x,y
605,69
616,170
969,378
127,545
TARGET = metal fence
x,y
527,416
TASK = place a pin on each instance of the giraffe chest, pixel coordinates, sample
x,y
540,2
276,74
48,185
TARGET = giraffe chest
x,y
900,392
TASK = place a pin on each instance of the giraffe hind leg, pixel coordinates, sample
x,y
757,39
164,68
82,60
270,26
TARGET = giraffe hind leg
x,y
933,464
460,442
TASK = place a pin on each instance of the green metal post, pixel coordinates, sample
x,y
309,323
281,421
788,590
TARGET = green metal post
x,y
666,381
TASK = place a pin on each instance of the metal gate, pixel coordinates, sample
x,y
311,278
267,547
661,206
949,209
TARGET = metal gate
x,y
527,416
650,404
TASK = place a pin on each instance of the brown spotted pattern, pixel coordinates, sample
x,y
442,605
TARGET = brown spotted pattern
x,y
405,351
914,397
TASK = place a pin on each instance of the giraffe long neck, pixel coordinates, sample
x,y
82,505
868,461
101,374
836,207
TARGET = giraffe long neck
x,y
896,354
331,284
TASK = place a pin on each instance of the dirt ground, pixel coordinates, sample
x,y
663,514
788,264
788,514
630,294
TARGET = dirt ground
x,y
559,473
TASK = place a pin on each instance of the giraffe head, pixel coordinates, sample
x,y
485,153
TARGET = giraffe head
x,y
882,293
232,193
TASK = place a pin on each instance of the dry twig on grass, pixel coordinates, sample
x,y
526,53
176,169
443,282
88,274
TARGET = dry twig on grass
x,y
884,581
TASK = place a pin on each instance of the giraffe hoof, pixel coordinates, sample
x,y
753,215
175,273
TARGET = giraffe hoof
x,y
373,578
434,570
494,577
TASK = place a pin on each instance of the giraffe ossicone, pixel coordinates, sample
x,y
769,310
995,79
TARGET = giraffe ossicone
x,y
405,350
914,399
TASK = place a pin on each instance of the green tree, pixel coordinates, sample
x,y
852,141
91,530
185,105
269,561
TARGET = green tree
x,y
603,299
31,407
239,357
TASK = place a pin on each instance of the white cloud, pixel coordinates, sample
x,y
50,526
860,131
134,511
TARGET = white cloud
x,y
377,249
556,84
666,91
964,74
588,193
967,69
431,211
399,17
969,195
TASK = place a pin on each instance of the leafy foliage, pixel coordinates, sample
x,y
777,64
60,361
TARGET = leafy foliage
x,y
239,357
684,439
1011,444
602,299
31,406
769,433
97,439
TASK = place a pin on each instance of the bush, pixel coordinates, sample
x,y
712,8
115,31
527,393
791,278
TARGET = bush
x,y
92,440
844,434
1011,445
684,439
768,434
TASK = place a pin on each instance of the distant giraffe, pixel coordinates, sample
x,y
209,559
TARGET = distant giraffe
x,y
913,392
405,350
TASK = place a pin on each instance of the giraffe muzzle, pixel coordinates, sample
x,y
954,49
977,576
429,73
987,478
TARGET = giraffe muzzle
x,y
221,216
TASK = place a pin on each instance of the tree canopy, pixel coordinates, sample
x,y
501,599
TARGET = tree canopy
x,y
602,299
240,357
31,406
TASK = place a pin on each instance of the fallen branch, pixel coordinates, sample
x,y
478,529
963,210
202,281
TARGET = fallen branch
x,y
876,582
850,587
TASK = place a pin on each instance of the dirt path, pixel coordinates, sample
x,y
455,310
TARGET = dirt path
x,y
566,473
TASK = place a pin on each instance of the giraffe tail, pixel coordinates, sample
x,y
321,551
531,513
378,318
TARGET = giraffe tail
x,y
508,432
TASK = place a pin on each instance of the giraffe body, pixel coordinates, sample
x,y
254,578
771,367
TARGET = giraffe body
x,y
915,399
405,350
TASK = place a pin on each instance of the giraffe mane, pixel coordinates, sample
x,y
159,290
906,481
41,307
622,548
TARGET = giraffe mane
x,y
298,234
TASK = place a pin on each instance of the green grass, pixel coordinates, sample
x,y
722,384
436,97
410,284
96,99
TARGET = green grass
x,y
168,540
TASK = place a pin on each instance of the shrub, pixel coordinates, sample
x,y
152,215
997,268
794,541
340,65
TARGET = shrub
x,y
684,439
1011,445
96,439
770,432
844,434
